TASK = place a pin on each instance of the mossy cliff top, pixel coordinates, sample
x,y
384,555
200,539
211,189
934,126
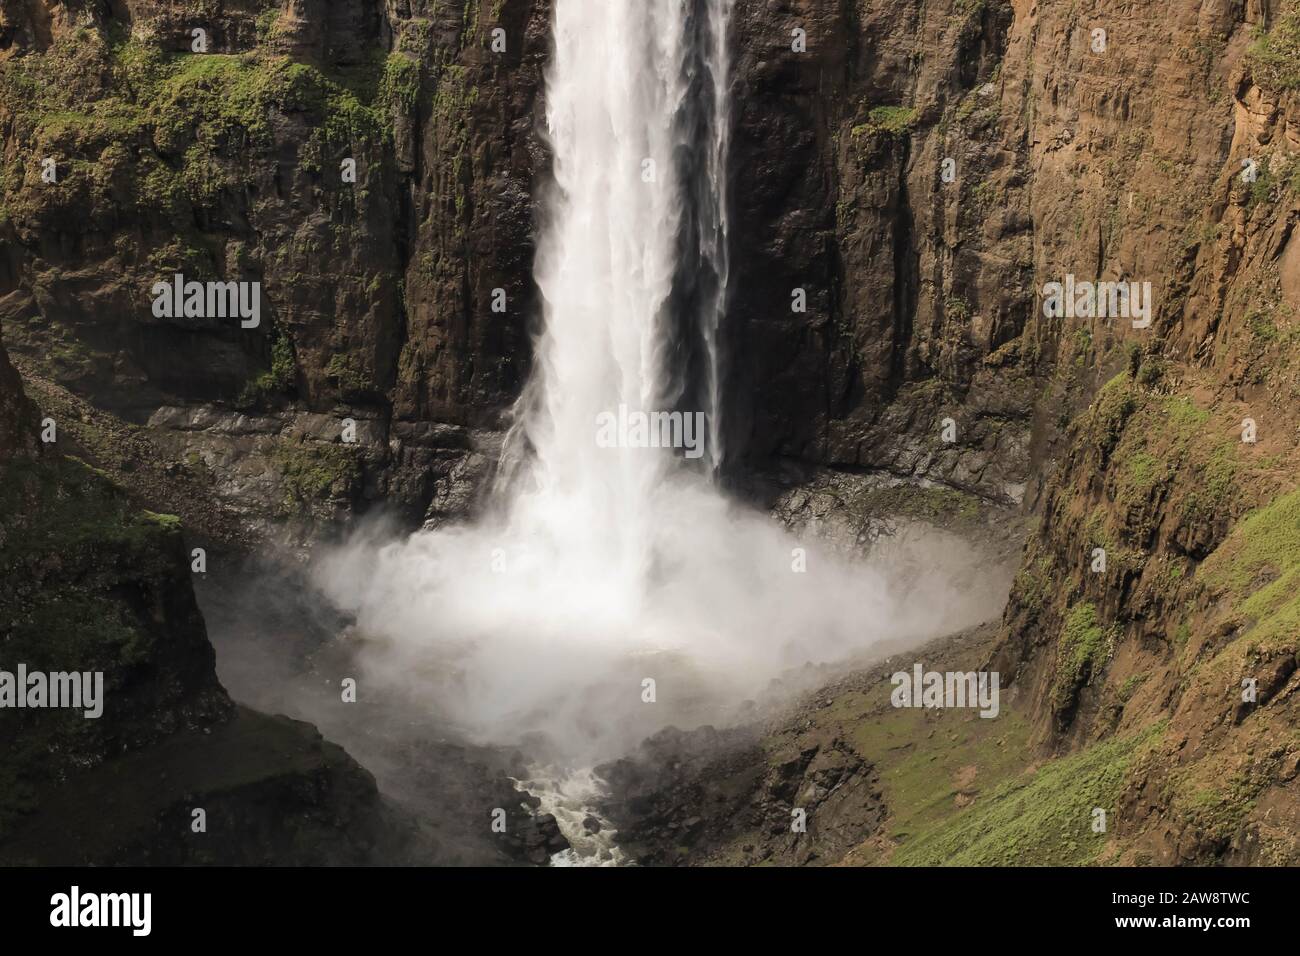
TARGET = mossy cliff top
x,y
165,134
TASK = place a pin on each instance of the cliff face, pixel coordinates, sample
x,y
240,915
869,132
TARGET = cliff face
x,y
1169,162
921,171
1088,148
234,164
917,288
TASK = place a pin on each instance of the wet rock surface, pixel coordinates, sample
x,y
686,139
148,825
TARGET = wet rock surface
x,y
702,796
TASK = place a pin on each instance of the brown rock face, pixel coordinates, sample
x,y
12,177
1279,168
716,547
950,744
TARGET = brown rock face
x,y
1146,125
235,164
1147,143
841,193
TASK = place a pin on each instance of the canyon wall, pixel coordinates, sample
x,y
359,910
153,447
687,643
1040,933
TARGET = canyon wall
x,y
1156,460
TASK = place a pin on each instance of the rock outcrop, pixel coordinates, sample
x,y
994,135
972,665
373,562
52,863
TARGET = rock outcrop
x,y
96,587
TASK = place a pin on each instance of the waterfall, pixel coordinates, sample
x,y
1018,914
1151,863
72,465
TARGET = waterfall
x,y
704,254
606,263
637,122
717,237
603,576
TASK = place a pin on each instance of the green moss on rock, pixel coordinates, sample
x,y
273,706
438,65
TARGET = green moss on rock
x,y
1274,54
184,127
400,84
1115,403
1082,650
347,374
934,504
280,377
313,472
887,120
1257,569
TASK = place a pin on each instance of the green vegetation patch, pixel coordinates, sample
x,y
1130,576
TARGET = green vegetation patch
x,y
1218,809
889,120
166,129
1115,403
347,373
1151,443
934,504
280,377
400,83
1217,486
1274,54
1042,818
313,472
928,762
1130,686
1257,568
1032,588
453,99
1082,650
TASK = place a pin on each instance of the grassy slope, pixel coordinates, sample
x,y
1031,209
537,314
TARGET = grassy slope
x,y
962,791
1043,816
